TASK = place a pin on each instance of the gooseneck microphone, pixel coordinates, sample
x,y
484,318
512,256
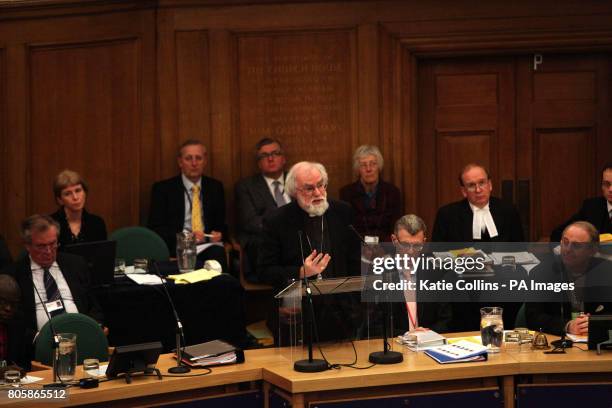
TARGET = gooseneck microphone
x,y
311,365
180,368
357,234
54,344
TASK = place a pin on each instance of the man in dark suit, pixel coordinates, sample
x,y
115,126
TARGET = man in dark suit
x,y
328,247
192,202
596,210
410,234
58,280
568,311
307,238
257,196
15,340
478,217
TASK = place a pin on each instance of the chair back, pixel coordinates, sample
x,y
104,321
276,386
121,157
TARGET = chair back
x,y
90,339
139,242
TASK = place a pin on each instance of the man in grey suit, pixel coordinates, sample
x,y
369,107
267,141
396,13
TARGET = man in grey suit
x,y
258,195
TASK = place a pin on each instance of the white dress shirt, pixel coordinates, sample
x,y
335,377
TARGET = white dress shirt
x,y
482,221
39,283
281,180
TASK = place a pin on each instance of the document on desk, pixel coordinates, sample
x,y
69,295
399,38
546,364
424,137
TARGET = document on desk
x,y
459,352
577,338
202,247
144,278
421,340
195,276
520,258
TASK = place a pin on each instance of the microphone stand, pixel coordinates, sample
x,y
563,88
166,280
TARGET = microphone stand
x,y
311,365
180,368
386,356
54,345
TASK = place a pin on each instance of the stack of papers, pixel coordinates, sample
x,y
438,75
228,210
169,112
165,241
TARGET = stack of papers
x,y
195,276
421,340
520,258
459,352
144,278
214,352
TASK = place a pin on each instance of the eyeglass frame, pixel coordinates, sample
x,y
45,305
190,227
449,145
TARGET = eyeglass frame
x,y
472,187
410,245
309,190
273,154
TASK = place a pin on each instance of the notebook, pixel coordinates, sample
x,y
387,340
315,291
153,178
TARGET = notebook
x,y
459,352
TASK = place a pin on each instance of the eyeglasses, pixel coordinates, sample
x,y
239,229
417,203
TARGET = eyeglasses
x,y
310,189
410,246
274,154
365,165
606,184
472,187
576,245
46,247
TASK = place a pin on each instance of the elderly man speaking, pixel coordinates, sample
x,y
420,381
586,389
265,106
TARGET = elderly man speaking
x,y
309,236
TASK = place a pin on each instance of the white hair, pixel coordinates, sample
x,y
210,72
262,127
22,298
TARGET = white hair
x,y
306,167
367,150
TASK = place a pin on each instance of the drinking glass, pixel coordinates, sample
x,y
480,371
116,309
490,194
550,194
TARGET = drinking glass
x,y
66,356
141,265
491,328
12,377
119,266
91,367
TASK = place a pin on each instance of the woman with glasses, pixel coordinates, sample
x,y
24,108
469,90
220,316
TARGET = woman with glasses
x,y
376,203
76,223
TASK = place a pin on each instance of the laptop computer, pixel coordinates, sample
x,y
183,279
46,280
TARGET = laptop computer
x,y
100,258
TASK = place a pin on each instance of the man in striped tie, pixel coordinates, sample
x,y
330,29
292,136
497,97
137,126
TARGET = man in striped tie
x,y
56,281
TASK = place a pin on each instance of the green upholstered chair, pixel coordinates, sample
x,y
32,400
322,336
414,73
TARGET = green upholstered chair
x,y
91,341
139,242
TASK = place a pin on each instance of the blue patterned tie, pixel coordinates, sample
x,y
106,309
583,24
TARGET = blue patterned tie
x,y
52,291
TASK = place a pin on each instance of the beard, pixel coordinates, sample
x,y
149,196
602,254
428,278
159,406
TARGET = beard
x,y
314,210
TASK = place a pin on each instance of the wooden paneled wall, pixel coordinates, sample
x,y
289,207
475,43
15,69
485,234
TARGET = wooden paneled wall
x,y
110,88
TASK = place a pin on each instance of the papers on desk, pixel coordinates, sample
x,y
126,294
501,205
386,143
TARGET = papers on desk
x,y
144,278
464,252
459,352
211,353
195,276
520,258
577,338
202,247
421,340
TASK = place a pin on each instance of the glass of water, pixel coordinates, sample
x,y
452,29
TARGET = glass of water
x,y
492,328
12,377
119,266
141,265
66,357
91,367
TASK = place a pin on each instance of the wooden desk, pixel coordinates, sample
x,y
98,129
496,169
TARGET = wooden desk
x,y
272,369
145,391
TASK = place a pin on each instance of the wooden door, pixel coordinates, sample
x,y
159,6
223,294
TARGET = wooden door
x,y
466,114
542,130
563,135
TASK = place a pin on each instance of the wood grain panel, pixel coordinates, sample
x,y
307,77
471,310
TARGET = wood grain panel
x,y
563,170
297,88
85,115
556,86
466,89
193,91
3,143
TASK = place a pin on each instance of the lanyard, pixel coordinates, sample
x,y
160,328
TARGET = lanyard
x,y
412,319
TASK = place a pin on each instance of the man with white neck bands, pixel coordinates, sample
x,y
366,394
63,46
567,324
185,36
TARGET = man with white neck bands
x,y
328,245
479,216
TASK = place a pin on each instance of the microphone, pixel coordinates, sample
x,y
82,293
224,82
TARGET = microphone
x,y
180,367
357,234
309,365
55,344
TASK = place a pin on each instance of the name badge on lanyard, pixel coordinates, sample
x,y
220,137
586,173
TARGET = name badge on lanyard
x,y
54,305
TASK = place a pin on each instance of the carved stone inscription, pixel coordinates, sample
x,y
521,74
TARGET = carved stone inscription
x,y
296,88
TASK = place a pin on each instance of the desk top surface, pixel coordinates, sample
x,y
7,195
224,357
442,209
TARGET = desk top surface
x,y
276,367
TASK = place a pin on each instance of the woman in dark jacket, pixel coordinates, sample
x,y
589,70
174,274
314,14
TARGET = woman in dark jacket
x,y
76,224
